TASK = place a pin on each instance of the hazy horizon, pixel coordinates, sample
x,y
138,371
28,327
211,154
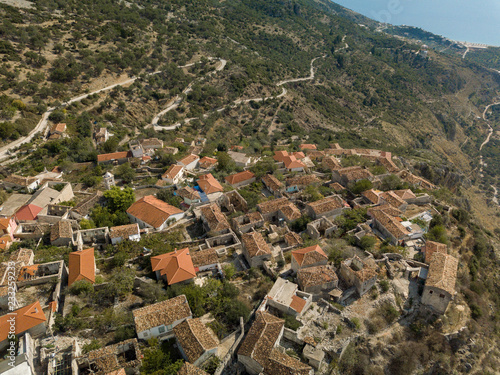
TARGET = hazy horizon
x,y
463,20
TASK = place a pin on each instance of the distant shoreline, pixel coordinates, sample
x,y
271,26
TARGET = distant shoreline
x,y
466,24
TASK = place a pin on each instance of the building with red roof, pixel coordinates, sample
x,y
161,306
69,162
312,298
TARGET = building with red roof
x,y
81,266
240,179
209,184
28,212
308,257
29,318
174,267
151,212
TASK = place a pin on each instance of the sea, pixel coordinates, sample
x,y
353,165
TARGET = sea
x,y
475,21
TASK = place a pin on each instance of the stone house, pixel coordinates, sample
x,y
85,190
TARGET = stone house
x,y
174,174
439,287
174,267
29,319
272,184
298,183
240,179
255,249
159,319
286,297
195,341
264,335
317,279
358,273
189,162
120,233
331,206
61,233
308,257
389,227
151,212
213,219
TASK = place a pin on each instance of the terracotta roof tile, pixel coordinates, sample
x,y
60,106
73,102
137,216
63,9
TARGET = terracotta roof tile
x,y
327,204
204,257
290,211
393,199
391,224
303,180
27,317
443,272
282,364
28,212
209,184
308,146
272,182
194,338
239,177
309,255
61,128
214,217
188,159
177,266
189,369
152,211
255,244
61,229
432,247
279,156
161,313
188,193
172,171
293,239
315,276
331,162
124,231
405,194
207,162
261,337
291,162
114,156
371,195
81,266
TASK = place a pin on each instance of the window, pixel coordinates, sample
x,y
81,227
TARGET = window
x,y
431,291
145,334
441,296
161,329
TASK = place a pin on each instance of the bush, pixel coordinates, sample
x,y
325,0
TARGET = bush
x,y
368,242
356,323
292,323
389,312
81,287
384,285
93,345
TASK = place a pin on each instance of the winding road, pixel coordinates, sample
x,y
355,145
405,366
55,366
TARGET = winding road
x,y
486,141
44,121
177,100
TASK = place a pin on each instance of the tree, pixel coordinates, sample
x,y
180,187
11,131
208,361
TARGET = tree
x,y
118,199
225,163
360,186
168,196
312,193
126,173
391,182
367,242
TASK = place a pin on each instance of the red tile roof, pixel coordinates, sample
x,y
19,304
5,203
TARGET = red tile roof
x,y
58,128
209,184
297,303
152,211
207,162
28,212
239,177
173,171
280,155
291,162
114,156
308,146
188,159
81,266
177,266
27,317
309,255
432,247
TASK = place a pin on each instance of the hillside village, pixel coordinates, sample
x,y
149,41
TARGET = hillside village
x,y
319,248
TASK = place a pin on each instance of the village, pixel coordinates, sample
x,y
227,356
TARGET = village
x,y
322,247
